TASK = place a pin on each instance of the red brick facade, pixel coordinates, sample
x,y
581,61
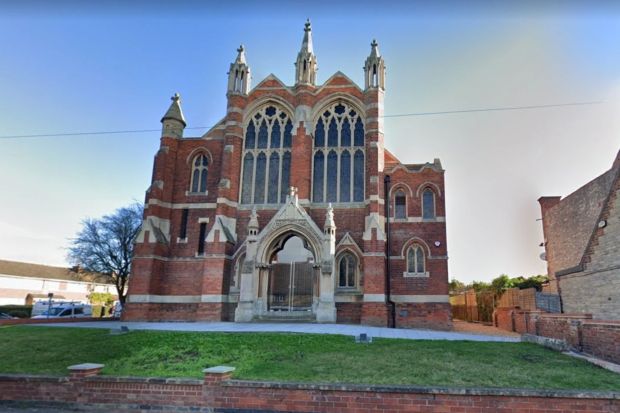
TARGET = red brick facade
x,y
171,280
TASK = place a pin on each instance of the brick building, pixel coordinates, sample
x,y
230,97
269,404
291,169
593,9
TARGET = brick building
x,y
582,245
278,210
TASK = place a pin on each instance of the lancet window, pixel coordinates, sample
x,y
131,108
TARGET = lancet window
x,y
338,156
267,157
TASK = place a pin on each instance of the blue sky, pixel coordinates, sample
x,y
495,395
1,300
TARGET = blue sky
x,y
106,67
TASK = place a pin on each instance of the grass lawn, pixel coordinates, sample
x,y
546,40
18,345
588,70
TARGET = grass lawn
x,y
297,357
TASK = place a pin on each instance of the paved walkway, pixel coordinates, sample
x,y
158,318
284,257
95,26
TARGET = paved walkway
x,y
341,329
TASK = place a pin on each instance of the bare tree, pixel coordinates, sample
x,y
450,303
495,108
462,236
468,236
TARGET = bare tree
x,y
105,245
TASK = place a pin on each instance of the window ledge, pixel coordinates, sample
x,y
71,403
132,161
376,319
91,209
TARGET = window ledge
x,y
395,220
188,193
182,240
348,291
416,274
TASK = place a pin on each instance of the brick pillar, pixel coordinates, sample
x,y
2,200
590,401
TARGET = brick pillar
x,y
79,371
214,376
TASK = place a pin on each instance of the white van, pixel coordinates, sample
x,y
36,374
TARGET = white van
x,y
67,311
41,306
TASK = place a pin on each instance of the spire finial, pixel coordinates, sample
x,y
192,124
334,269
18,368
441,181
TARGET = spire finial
x,y
240,55
308,25
176,97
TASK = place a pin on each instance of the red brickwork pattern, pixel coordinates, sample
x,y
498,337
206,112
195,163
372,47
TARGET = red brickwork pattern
x,y
222,395
579,331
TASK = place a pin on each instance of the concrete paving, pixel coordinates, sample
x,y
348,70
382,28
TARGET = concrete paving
x,y
340,329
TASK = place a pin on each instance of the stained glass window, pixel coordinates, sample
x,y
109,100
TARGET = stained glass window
x,y
428,204
275,135
274,181
199,174
345,177
400,205
332,177
358,174
266,163
248,172
318,178
259,182
262,135
342,178
347,268
415,260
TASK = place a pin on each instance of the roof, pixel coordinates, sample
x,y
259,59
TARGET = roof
x,y
572,222
25,269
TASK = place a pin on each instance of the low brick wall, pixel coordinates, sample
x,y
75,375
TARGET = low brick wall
x,y
221,394
579,331
17,321
601,340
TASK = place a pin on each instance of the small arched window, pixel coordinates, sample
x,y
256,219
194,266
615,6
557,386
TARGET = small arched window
x,y
415,260
400,205
428,204
347,271
199,174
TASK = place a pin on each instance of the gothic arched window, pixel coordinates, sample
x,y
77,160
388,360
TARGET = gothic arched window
x,y
267,157
338,157
200,168
347,271
400,205
428,204
415,260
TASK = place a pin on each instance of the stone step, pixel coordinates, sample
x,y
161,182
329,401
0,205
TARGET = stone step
x,y
287,317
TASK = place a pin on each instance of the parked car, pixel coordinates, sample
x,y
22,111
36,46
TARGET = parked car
x,y
5,316
67,311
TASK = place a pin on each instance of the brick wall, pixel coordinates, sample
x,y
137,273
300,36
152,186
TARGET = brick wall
x,y
219,393
579,331
602,340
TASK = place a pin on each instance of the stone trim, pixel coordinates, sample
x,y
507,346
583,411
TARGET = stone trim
x,y
172,205
472,391
420,298
180,299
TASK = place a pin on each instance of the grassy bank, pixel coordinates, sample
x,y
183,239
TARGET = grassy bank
x,y
296,357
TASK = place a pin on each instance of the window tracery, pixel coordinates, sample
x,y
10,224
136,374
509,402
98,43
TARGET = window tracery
x,y
416,260
200,170
347,271
338,155
267,157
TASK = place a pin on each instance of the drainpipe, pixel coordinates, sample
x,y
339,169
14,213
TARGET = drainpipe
x,y
388,287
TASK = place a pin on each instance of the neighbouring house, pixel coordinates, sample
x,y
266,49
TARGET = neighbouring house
x,y
23,283
278,211
582,246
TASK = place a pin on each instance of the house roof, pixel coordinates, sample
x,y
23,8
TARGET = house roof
x,y
572,222
26,269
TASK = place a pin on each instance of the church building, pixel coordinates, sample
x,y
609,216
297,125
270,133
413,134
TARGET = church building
x,y
279,211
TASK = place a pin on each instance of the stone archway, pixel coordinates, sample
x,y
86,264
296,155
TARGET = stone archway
x,y
258,271
292,282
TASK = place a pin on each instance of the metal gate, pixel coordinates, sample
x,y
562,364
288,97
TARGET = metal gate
x,y
291,286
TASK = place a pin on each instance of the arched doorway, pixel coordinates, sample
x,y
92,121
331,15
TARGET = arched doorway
x,y
292,283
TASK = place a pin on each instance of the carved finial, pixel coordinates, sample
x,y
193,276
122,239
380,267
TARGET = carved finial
x,y
330,225
176,97
307,26
253,224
